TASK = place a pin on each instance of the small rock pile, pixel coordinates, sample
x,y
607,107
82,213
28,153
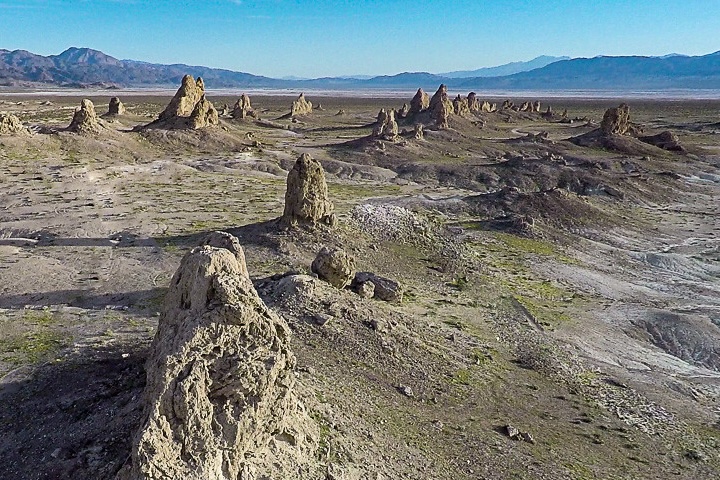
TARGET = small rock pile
x,y
85,120
306,200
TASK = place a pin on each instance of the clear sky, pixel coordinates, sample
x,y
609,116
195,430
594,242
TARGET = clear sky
x,y
335,37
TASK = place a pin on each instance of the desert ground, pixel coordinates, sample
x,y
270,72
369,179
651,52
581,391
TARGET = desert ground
x,y
570,292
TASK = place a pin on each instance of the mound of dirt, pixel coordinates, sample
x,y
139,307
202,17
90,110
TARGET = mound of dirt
x,y
220,382
666,140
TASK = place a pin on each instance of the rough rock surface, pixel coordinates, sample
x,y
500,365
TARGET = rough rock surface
x,y
666,140
301,107
383,288
242,108
116,107
203,115
507,104
185,99
334,266
219,393
85,119
473,102
526,107
419,102
441,107
386,126
228,242
403,111
10,124
418,133
616,121
461,105
536,107
488,107
306,198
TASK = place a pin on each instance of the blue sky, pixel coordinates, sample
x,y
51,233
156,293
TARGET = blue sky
x,y
334,37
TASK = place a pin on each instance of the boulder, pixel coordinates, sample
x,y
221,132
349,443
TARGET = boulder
x,y
185,99
11,125
383,288
616,121
219,392
461,106
116,107
301,107
334,266
203,115
419,103
386,127
242,108
85,119
306,199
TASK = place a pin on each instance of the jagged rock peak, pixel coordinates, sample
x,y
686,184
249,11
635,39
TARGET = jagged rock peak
x,y
441,107
616,121
203,115
420,102
386,126
242,108
116,107
85,120
301,107
306,199
219,380
185,99
461,105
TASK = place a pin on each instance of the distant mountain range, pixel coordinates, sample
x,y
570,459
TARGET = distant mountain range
x,y
84,67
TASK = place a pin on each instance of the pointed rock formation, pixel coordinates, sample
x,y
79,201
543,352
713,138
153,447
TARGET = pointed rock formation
x,y
116,107
418,134
85,119
301,107
420,102
616,121
536,107
11,125
203,115
488,107
219,393
526,107
441,107
507,104
306,198
334,266
473,102
386,127
460,106
403,111
185,99
242,108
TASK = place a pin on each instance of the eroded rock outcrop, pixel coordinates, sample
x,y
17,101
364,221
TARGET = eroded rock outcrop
x,y
536,107
11,125
335,266
461,105
306,199
386,126
473,102
418,132
666,140
441,107
419,103
507,104
301,107
487,107
116,107
219,398
203,115
242,108
85,120
616,121
404,111
185,99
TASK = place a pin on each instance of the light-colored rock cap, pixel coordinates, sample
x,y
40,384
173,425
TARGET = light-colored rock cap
x,y
185,99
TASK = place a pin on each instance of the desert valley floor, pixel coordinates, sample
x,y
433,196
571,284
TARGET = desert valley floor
x,y
560,316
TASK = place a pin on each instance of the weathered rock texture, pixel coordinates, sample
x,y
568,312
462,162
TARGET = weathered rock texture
x,y
666,140
473,102
203,115
301,107
306,199
536,107
219,392
85,119
403,111
383,288
334,266
242,108
230,243
419,102
441,107
616,121
461,105
386,126
507,104
185,99
418,132
10,124
487,107
116,107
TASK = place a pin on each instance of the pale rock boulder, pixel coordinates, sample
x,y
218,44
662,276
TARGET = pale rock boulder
x,y
85,120
11,125
536,106
616,121
461,105
219,401
419,103
306,200
185,99
116,107
242,108
487,107
386,126
203,115
335,266
230,243
301,107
